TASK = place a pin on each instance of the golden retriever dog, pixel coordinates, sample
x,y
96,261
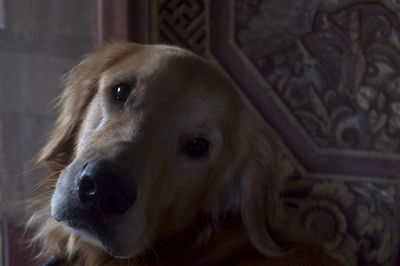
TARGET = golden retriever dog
x,y
157,159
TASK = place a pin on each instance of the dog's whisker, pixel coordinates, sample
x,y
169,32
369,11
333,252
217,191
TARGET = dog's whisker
x,y
48,183
156,254
28,171
46,179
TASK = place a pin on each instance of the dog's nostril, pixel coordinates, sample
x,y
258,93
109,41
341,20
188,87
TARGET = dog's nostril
x,y
84,166
87,187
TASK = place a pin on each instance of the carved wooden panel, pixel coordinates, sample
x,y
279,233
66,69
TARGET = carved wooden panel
x,y
326,76
182,23
340,79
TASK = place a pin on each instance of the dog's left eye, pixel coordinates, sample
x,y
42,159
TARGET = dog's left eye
x,y
196,148
121,91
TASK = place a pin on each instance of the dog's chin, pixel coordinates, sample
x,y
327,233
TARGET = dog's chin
x,y
117,249
86,236
111,248
123,248
120,252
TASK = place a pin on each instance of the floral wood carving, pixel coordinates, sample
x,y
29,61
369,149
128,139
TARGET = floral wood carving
x,y
364,237
340,80
353,220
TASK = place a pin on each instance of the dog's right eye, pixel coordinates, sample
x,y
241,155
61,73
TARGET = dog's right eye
x,y
121,91
195,148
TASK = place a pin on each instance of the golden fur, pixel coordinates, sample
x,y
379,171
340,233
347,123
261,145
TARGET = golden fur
x,y
223,211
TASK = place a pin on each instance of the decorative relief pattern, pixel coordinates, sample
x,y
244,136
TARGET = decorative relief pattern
x,y
335,65
341,79
352,220
183,23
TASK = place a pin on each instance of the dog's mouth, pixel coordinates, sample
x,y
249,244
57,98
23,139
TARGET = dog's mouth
x,y
90,227
85,223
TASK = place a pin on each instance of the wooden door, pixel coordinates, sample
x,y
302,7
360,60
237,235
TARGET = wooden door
x,y
326,76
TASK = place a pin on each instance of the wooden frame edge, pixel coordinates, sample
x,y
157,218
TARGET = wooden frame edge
x,y
124,20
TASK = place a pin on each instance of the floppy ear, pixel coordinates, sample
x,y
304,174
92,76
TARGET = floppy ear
x,y
261,206
81,86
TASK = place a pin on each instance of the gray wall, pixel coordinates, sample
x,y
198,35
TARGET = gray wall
x,y
41,40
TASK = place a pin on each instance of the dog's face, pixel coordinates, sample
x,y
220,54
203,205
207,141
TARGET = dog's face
x,y
159,136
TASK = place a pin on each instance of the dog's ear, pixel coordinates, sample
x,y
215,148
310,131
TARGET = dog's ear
x,y
81,85
261,207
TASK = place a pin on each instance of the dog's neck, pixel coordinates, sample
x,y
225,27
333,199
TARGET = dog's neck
x,y
204,243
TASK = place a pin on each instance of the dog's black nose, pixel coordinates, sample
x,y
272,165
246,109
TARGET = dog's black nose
x,y
102,186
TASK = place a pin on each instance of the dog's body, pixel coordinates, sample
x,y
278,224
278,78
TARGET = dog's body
x,y
158,160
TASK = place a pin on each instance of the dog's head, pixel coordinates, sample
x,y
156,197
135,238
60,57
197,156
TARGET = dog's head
x,y
152,136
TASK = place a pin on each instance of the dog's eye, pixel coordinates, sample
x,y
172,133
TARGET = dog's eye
x,y
196,148
121,91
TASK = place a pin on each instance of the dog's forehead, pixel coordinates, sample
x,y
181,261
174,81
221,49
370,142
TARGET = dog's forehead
x,y
164,64
150,61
